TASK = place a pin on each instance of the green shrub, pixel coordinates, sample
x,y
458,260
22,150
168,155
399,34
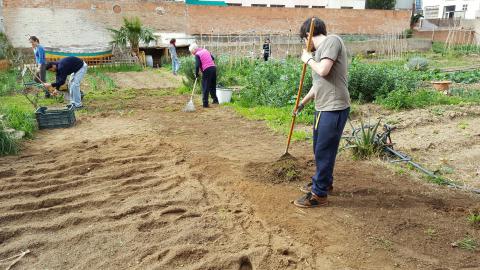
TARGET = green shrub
x,y
274,83
417,64
6,49
8,145
370,81
468,77
406,99
230,71
20,119
408,33
472,95
8,82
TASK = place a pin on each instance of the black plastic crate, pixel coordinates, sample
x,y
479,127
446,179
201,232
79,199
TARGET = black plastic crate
x,y
56,118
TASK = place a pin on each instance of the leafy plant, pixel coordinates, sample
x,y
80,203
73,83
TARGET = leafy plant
x,y
405,99
363,141
8,82
417,64
8,145
274,83
7,51
369,81
20,119
132,33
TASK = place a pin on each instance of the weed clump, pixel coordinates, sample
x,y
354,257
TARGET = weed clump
x,y
8,145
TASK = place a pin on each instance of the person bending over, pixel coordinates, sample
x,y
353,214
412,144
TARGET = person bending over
x,y
204,61
63,68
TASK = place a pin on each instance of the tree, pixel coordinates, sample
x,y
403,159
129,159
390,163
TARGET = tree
x,y
132,33
380,4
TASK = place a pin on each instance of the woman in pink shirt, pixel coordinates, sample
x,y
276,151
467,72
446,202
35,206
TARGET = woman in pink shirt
x,y
204,61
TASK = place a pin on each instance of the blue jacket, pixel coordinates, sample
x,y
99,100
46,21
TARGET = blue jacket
x,y
39,52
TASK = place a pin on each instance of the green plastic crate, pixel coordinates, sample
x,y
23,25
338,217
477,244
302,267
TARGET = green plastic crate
x,y
56,118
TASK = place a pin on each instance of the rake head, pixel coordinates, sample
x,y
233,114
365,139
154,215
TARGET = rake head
x,y
190,107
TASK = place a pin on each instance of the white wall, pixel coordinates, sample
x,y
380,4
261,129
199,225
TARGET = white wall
x,y
473,6
2,29
404,4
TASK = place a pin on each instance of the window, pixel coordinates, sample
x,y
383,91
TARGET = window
x,y
318,6
464,7
301,6
234,4
431,12
277,6
259,5
346,7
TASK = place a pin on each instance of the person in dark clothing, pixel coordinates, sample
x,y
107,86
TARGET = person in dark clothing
x,y
204,61
266,49
63,68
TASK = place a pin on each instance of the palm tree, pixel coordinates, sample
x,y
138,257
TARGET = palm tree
x,y
132,33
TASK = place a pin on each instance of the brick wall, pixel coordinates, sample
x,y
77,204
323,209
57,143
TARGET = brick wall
x,y
83,22
282,20
455,37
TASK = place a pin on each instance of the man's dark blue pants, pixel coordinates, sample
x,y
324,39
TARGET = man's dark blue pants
x,y
327,131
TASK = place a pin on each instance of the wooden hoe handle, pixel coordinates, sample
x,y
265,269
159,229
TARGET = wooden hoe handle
x,y
300,87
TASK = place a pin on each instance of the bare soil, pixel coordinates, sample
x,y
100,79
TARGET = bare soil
x,y
446,139
158,188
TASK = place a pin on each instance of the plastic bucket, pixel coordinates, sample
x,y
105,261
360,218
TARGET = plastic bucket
x,y
149,60
224,95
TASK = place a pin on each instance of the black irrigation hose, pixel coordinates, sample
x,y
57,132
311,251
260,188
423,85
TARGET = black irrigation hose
x,y
384,141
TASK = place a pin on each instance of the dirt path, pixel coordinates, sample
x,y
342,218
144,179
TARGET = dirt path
x,y
162,189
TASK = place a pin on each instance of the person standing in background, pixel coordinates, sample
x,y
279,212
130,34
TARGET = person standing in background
x,y
266,49
173,54
39,52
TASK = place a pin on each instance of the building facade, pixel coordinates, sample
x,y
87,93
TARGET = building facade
x,y
445,9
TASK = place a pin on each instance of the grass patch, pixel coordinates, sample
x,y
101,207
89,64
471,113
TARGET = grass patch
x,y
468,243
161,92
8,82
474,219
437,180
277,119
431,233
19,113
8,145
115,68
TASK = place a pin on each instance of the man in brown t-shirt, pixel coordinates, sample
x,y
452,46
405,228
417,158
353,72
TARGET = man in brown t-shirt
x,y
332,105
